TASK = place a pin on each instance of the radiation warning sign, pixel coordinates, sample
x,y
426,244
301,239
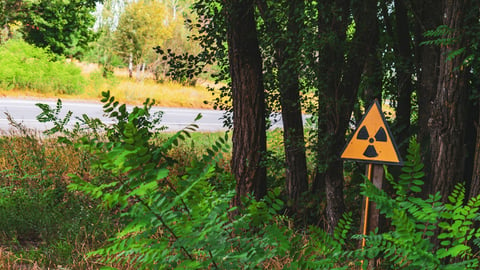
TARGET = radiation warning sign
x,y
372,141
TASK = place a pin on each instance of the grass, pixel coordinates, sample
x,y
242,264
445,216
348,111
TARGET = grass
x,y
41,224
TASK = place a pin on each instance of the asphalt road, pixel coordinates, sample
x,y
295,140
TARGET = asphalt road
x,y
24,111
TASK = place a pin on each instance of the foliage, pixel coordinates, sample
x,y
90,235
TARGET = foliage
x,y
183,68
24,66
443,36
174,221
10,12
184,219
418,223
63,26
179,215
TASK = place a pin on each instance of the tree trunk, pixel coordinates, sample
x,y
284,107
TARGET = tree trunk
x,y
332,23
405,73
249,137
429,16
287,50
374,75
341,97
288,76
475,182
446,114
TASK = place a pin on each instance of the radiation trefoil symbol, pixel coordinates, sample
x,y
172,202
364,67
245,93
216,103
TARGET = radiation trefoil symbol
x,y
380,136
372,141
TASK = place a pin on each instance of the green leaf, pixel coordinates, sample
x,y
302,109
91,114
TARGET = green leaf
x,y
417,182
418,175
415,189
162,173
445,243
458,250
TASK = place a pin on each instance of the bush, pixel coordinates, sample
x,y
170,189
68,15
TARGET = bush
x,y
180,220
24,66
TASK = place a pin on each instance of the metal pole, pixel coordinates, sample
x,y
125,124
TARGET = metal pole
x,y
365,216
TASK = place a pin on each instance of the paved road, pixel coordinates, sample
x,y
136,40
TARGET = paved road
x,y
25,111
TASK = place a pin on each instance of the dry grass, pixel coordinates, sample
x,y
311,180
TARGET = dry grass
x,y
8,261
135,91
167,94
28,155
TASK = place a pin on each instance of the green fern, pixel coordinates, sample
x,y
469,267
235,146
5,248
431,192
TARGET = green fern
x,y
415,221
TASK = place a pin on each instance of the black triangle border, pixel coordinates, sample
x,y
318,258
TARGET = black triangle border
x,y
400,160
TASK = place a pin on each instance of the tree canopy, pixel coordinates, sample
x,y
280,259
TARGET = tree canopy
x,y
63,26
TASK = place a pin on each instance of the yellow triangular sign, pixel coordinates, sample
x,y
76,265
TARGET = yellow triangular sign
x,y
372,141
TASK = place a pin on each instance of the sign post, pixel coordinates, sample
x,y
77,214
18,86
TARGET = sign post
x,y
373,143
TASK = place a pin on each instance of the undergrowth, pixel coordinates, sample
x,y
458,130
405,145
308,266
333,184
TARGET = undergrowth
x,y
40,221
175,213
417,224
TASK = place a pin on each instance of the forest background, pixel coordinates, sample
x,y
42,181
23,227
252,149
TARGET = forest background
x,y
329,60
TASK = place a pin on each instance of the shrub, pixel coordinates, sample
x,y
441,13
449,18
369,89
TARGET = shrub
x,y
24,66
174,221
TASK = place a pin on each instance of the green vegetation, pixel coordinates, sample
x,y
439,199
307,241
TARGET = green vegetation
x,y
24,66
65,27
130,196
40,221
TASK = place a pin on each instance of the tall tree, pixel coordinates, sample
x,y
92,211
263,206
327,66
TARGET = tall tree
x,y
405,63
287,42
249,136
141,26
341,65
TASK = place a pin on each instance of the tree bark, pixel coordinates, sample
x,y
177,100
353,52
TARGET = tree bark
x,y
428,15
249,136
332,24
444,110
475,183
293,136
